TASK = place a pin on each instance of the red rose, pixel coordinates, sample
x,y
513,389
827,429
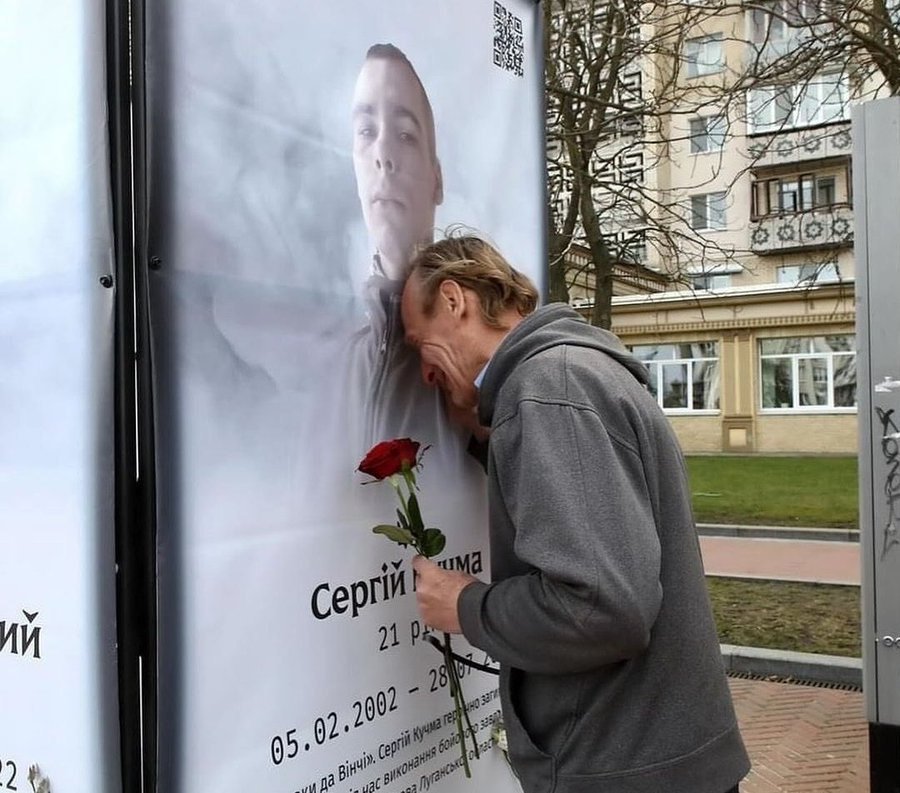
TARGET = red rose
x,y
386,458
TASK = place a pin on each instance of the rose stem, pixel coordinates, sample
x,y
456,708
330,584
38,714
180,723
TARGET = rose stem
x,y
465,709
458,703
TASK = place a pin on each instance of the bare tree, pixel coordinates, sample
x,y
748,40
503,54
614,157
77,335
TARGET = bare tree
x,y
612,77
796,40
805,62
618,98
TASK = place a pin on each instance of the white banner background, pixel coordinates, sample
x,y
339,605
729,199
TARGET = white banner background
x,y
265,682
58,691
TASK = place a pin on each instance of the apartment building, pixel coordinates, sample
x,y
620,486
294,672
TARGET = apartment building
x,y
751,342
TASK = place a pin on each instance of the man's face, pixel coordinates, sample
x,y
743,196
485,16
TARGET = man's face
x,y
397,175
445,343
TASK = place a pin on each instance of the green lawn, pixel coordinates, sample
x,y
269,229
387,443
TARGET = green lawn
x,y
776,491
782,615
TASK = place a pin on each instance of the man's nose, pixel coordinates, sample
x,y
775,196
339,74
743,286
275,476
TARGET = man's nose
x,y
384,158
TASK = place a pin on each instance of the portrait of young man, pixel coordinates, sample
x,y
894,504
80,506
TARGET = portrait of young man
x,y
400,185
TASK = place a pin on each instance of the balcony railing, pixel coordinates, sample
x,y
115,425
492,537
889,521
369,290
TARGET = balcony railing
x,y
827,227
801,145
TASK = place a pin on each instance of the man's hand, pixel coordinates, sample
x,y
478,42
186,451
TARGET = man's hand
x,y
437,592
467,418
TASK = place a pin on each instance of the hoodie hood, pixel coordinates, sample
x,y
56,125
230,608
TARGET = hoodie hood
x,y
550,326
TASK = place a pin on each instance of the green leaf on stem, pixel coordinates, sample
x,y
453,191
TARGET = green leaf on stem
x,y
403,521
433,542
415,516
396,533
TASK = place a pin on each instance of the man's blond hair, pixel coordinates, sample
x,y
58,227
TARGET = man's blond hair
x,y
474,264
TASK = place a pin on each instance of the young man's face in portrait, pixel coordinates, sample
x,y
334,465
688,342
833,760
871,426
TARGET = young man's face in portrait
x,y
397,173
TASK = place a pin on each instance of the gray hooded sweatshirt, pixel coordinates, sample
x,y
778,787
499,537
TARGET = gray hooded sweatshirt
x,y
611,674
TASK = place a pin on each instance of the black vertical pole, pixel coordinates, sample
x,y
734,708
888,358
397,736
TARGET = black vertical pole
x,y
146,493
884,758
127,576
135,498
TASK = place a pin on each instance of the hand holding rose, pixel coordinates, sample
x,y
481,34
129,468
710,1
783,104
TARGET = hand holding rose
x,y
437,593
397,462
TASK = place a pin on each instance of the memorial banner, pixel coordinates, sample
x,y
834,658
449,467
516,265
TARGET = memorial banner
x,y
297,155
58,675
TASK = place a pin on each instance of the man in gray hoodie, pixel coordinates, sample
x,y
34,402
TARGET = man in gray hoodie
x,y
611,674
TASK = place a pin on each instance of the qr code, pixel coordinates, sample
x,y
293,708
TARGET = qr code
x,y
509,44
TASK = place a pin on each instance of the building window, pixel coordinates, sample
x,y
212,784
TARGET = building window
x,y
683,377
708,211
825,193
824,99
704,55
707,134
710,281
794,195
791,194
780,21
808,373
808,273
766,26
769,108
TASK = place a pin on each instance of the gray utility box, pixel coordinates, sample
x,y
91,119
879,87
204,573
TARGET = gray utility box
x,y
876,185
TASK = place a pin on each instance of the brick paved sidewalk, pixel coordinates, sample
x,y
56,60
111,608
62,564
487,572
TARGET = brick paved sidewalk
x,y
802,739
824,562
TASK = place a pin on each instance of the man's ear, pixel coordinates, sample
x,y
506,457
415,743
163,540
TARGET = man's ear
x,y
453,297
438,183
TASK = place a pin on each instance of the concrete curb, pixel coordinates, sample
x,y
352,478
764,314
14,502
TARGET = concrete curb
x,y
777,532
811,667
